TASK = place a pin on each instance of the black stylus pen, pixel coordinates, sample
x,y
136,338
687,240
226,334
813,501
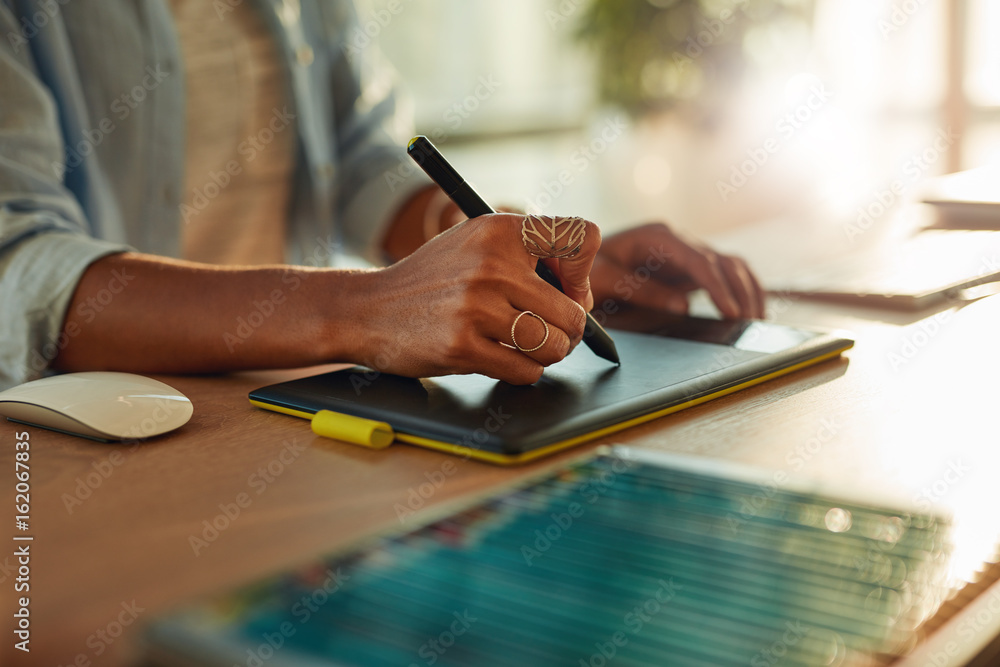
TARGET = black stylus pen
x,y
431,161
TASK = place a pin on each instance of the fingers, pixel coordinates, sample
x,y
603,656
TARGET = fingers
x,y
655,295
505,364
727,280
492,352
480,278
730,283
654,250
706,268
567,246
743,285
574,272
760,294
553,328
534,336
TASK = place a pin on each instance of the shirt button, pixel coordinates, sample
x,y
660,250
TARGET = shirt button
x,y
304,55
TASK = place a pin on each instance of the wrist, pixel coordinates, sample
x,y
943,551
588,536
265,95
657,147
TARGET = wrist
x,y
346,301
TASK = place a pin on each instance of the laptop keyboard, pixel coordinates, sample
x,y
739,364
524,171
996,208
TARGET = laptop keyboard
x,y
926,262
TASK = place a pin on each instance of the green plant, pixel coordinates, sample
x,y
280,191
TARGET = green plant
x,y
653,54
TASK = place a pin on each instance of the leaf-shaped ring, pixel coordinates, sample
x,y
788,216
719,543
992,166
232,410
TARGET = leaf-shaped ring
x,y
547,236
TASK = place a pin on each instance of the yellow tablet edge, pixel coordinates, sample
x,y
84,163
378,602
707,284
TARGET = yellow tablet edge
x,y
505,459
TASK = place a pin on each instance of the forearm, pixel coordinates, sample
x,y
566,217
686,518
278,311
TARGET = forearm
x,y
141,313
442,310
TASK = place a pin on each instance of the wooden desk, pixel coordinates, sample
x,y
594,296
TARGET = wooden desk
x,y
900,414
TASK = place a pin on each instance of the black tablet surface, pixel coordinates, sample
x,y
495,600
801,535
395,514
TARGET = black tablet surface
x,y
685,362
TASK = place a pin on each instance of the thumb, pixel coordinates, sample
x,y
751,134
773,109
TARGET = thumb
x,y
574,270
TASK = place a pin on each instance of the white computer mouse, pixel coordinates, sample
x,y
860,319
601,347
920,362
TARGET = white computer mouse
x,y
100,405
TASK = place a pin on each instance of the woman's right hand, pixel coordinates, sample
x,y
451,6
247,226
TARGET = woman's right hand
x,y
446,308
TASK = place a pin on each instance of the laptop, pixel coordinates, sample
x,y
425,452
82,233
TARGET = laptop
x,y
966,199
942,249
932,267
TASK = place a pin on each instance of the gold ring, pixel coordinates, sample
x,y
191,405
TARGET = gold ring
x,y
513,338
543,237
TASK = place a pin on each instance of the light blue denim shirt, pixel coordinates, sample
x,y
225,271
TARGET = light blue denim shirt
x,y
92,135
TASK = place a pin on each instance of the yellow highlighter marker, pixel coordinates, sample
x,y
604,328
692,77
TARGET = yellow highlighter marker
x,y
356,430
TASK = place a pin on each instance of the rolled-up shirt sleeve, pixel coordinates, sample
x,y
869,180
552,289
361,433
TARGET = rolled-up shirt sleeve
x,y
45,243
373,121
